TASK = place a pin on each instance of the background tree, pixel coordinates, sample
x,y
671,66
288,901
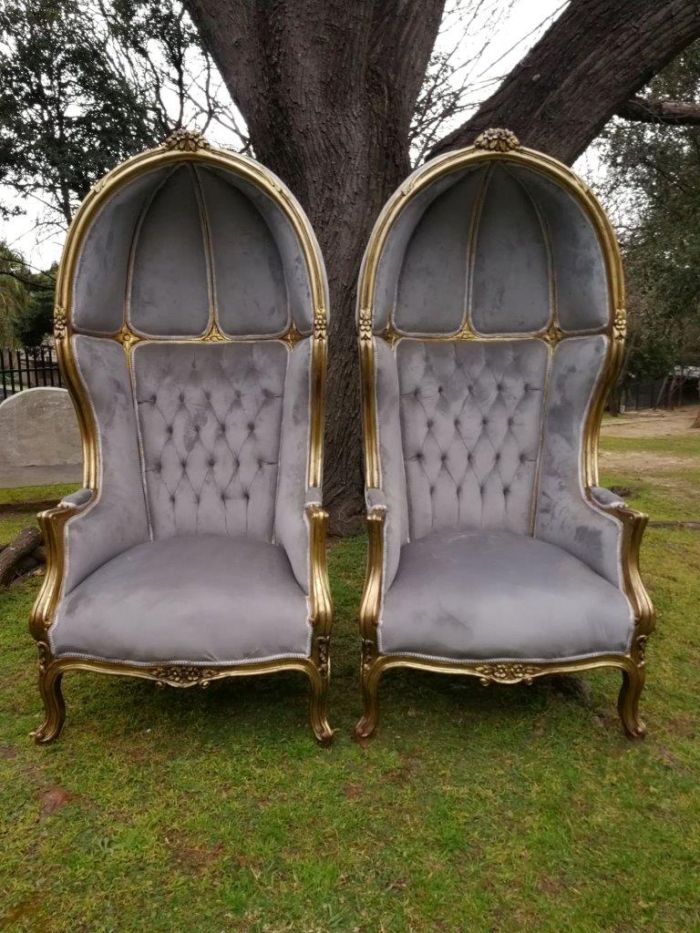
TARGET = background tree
x,y
652,187
328,90
26,301
86,83
338,98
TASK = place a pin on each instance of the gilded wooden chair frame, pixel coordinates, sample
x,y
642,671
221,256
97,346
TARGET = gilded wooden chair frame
x,y
183,146
499,146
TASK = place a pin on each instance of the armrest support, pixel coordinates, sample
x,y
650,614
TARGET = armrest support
x,y
319,587
370,606
633,524
52,523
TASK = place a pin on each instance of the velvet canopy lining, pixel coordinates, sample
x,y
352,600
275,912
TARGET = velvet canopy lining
x,y
501,247
178,244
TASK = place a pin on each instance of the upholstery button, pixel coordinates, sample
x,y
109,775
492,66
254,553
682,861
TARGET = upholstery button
x,y
152,400
419,456
506,490
196,429
521,458
196,500
527,387
443,457
182,396
207,395
211,461
172,498
169,429
260,464
246,496
470,457
499,386
183,463
510,422
222,428
484,420
417,393
158,467
429,423
251,425
457,422
497,457
432,490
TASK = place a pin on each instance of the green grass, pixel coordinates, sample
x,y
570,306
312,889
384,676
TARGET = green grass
x,y
472,809
684,445
13,521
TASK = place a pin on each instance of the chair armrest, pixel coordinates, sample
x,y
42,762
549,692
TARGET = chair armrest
x,y
313,496
375,499
77,499
605,497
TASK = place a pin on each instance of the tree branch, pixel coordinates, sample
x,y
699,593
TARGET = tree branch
x,y
591,60
673,112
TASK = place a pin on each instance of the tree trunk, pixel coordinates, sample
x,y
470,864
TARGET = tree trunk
x,y
588,64
328,88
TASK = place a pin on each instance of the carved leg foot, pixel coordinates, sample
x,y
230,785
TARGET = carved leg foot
x,y
371,674
628,702
319,707
54,707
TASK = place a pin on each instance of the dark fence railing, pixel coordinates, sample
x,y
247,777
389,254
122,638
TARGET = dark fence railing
x,y
27,368
669,393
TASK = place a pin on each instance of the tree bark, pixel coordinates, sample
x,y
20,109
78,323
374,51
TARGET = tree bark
x,y
592,59
328,88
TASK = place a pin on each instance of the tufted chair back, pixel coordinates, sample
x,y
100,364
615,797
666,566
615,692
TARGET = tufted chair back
x,y
194,316
487,314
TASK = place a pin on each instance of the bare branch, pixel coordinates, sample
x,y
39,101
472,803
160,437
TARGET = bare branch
x,y
672,112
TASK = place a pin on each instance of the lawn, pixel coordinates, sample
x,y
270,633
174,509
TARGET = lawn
x,y
472,809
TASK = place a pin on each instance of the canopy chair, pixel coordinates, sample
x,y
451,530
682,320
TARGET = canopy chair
x,y
491,326
191,330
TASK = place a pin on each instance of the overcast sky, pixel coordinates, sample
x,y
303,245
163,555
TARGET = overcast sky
x,y
518,25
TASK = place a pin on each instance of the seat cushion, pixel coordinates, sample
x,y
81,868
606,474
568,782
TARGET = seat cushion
x,y
195,598
472,595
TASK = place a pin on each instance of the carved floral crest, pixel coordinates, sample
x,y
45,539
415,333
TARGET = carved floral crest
x,y
186,141
497,139
60,322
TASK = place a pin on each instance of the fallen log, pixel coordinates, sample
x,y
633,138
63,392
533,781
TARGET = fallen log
x,y
11,556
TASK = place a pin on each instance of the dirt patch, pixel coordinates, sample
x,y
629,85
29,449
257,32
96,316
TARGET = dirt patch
x,y
639,462
651,423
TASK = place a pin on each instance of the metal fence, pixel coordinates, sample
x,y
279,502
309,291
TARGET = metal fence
x,y
26,369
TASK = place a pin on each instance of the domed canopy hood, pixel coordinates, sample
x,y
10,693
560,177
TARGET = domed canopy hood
x,y
495,239
185,239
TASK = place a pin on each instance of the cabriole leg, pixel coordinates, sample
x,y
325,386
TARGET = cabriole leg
x,y
370,673
54,706
319,705
628,702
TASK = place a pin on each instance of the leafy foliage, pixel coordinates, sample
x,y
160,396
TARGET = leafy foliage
x,y
653,187
26,301
86,83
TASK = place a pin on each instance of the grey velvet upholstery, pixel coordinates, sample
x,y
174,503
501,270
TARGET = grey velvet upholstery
x,y
202,598
493,284
194,545
473,594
